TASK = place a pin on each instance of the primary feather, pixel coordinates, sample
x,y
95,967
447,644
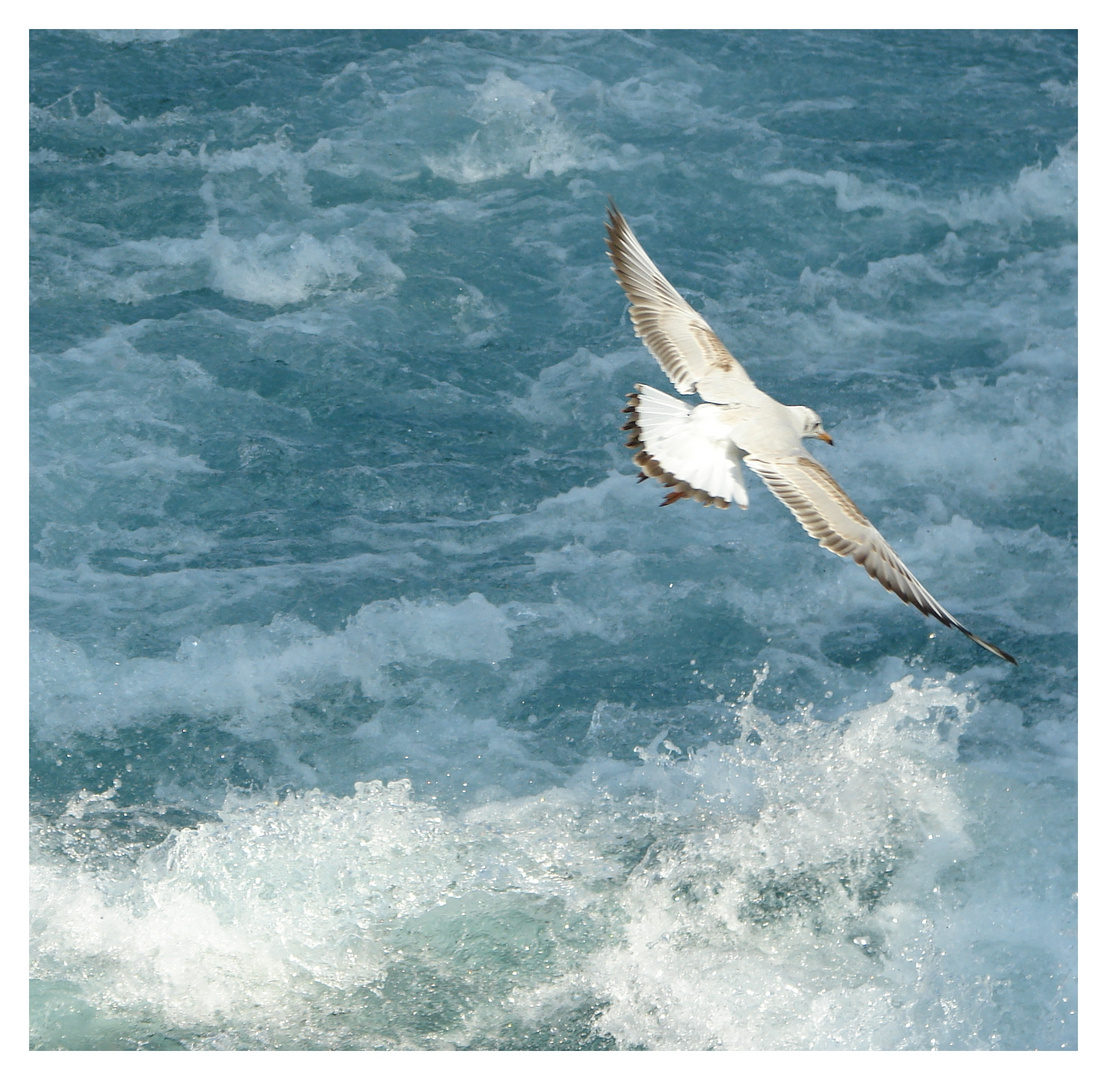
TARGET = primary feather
x,y
697,451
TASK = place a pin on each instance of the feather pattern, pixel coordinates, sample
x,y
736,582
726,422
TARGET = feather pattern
x,y
674,332
830,516
686,448
697,451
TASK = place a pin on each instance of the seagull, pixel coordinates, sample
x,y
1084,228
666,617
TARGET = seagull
x,y
698,451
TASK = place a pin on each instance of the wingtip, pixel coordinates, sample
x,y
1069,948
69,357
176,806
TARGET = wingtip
x,y
994,649
613,228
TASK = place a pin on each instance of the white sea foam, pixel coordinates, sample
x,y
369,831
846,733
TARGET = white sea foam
x,y
125,37
653,102
1039,192
1014,422
305,255
1061,93
72,111
375,705
801,886
272,270
253,673
519,131
837,104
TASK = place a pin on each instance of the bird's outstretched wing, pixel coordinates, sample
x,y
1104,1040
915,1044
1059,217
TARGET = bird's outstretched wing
x,y
677,335
828,514
684,448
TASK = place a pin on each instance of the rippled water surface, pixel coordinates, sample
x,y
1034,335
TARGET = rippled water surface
x,y
375,705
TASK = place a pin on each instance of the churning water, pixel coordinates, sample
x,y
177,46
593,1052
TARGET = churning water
x,y
375,705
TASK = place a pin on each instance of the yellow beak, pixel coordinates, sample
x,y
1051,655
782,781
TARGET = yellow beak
x,y
825,437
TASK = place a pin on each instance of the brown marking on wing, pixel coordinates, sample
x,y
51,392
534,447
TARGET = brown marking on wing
x,y
829,515
652,468
675,333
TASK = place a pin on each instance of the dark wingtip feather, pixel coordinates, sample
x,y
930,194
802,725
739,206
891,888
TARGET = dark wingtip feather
x,y
990,647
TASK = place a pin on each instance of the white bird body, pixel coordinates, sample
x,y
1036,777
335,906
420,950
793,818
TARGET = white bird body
x,y
698,451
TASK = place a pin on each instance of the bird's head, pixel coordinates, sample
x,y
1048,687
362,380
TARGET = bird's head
x,y
810,424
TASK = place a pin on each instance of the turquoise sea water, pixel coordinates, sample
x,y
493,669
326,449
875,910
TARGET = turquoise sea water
x,y
375,705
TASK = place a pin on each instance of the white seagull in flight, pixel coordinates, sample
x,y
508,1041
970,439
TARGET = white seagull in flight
x,y
698,451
